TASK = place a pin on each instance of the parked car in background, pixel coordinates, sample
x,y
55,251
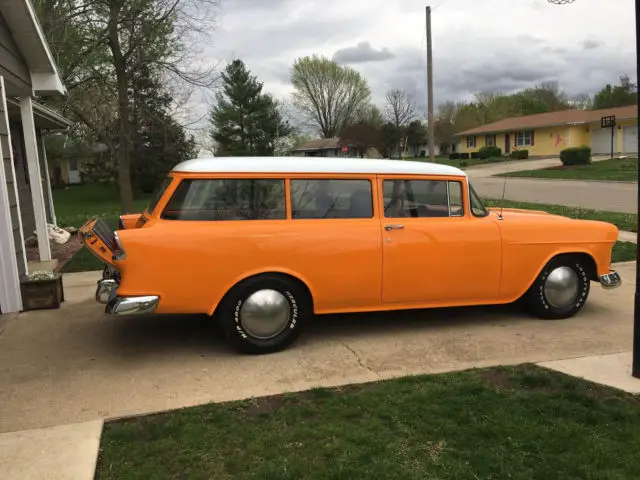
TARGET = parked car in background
x,y
262,244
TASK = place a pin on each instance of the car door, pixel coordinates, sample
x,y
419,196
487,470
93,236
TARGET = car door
x,y
434,248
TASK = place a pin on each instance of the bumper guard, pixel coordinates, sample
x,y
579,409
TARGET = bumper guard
x,y
106,293
610,280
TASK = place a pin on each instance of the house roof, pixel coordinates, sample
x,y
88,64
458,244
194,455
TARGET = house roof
x,y
319,144
314,165
562,117
27,33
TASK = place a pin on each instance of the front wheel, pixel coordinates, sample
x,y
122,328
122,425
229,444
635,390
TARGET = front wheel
x,y
264,314
560,291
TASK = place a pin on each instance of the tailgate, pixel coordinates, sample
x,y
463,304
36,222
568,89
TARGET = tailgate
x,y
100,239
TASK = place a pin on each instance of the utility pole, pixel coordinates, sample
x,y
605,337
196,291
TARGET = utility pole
x,y
431,125
635,367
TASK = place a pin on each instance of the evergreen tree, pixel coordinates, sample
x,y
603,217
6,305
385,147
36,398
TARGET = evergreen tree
x,y
616,96
245,121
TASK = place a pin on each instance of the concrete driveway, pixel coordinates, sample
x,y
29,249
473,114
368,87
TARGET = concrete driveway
x,y
607,196
76,364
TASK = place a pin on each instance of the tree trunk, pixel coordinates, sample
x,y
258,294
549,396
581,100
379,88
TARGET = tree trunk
x,y
124,170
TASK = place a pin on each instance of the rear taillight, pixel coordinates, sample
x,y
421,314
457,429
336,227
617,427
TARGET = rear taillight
x,y
118,251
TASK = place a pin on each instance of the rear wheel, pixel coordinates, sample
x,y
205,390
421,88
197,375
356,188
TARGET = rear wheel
x,y
561,289
264,314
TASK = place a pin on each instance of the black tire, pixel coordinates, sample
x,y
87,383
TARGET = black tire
x,y
239,337
536,299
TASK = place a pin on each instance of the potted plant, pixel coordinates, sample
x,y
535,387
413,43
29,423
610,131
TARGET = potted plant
x,y
41,290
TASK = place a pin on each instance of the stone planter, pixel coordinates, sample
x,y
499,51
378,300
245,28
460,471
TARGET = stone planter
x,y
40,292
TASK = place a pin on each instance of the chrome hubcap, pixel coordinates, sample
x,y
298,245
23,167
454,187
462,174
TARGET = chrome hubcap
x,y
561,287
265,314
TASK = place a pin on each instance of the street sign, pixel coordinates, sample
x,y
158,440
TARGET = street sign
x,y
608,122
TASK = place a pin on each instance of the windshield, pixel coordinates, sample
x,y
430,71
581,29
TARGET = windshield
x,y
477,208
158,196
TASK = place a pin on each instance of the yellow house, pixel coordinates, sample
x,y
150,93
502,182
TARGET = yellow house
x,y
546,134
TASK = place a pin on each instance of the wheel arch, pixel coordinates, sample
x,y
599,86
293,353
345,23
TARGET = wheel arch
x,y
590,266
291,276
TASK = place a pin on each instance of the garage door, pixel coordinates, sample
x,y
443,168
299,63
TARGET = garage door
x,y
630,139
601,141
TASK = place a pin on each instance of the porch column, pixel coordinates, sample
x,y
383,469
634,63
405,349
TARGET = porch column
x,y
10,296
47,181
35,177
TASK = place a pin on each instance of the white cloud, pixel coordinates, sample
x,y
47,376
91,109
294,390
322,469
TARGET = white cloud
x,y
489,45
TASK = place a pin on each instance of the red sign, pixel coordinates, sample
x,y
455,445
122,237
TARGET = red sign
x,y
345,149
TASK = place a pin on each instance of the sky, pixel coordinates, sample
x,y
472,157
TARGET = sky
x,y
478,45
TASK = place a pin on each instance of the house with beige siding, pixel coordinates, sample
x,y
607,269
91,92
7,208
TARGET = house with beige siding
x,y
546,134
27,71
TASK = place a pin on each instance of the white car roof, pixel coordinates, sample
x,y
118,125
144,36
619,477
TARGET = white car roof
x,y
314,165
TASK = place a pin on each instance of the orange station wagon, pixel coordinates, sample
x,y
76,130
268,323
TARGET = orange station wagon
x,y
262,244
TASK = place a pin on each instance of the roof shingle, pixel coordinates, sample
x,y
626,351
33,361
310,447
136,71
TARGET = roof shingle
x,y
562,117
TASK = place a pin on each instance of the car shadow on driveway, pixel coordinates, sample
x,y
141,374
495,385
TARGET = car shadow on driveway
x,y
153,334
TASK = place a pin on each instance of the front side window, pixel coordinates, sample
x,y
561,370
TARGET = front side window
x,y
331,199
491,140
422,198
523,139
227,199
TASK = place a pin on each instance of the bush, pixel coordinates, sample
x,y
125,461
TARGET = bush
x,y
464,163
463,156
475,155
454,156
576,156
520,154
490,152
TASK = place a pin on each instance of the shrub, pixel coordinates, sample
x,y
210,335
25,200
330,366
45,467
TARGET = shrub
x,y
475,155
464,163
464,156
576,156
520,154
490,152
454,156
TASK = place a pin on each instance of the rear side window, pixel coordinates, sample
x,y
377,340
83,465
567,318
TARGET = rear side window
x,y
163,188
331,199
227,199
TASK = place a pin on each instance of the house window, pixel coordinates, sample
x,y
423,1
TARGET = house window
x,y
471,141
331,199
524,139
491,141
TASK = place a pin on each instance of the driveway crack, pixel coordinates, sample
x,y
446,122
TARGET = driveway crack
x,y
359,360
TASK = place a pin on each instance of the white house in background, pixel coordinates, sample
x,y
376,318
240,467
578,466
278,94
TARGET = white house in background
x,y
27,70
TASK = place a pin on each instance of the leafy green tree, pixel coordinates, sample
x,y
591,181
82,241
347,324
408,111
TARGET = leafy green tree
x,y
330,96
245,121
416,134
617,95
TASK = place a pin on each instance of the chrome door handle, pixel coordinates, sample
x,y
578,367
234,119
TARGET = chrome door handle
x,y
393,227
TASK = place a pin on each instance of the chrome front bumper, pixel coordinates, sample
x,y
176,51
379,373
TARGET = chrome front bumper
x,y
106,293
610,280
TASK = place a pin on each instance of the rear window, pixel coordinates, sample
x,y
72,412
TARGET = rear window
x,y
163,188
227,199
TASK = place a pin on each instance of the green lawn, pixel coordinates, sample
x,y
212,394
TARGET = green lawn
x,y
520,422
75,205
625,170
624,221
624,252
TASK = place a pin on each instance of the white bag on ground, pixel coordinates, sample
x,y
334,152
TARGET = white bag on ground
x,y
57,234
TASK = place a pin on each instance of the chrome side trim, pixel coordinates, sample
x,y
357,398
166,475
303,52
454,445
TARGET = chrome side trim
x,y
132,305
610,280
121,255
106,287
